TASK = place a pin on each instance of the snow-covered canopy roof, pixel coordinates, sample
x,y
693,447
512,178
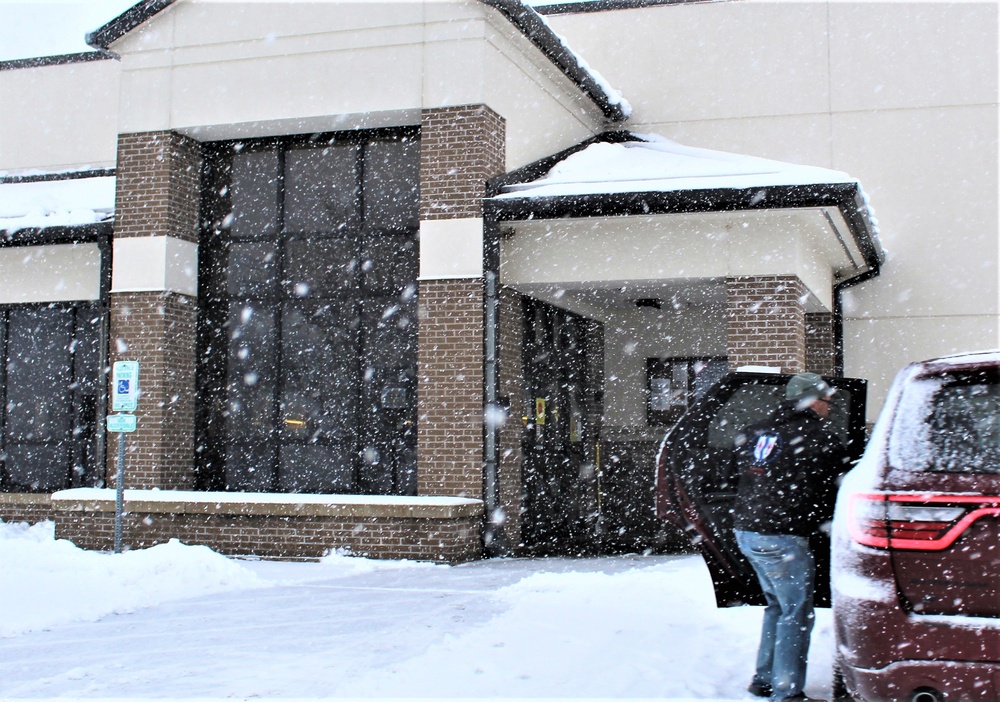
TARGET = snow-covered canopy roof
x,y
38,202
619,173
659,164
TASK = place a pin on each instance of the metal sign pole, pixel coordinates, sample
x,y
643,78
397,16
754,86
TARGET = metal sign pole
x,y
119,492
125,398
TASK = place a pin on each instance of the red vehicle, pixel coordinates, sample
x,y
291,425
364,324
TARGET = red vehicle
x,y
916,542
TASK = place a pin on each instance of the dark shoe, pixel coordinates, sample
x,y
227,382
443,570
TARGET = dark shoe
x,y
759,689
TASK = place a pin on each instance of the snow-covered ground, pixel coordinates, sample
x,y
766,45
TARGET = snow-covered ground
x,y
183,622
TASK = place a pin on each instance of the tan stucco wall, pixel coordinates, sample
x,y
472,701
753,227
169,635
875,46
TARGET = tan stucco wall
x,y
59,117
902,96
223,70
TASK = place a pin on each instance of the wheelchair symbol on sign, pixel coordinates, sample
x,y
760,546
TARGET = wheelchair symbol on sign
x,y
123,387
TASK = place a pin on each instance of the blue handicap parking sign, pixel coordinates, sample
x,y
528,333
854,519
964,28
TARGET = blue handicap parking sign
x,y
123,387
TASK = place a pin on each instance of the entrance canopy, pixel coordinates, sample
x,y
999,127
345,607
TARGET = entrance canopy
x,y
632,212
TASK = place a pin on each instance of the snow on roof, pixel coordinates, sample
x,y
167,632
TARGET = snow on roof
x,y
661,165
56,203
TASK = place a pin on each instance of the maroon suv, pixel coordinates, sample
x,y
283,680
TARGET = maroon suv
x,y
916,543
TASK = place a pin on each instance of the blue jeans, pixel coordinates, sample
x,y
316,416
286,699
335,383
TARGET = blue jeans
x,y
786,571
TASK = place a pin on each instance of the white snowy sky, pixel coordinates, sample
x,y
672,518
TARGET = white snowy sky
x,y
52,27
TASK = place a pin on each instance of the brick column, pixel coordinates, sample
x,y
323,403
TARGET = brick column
x,y
158,195
820,353
766,322
460,148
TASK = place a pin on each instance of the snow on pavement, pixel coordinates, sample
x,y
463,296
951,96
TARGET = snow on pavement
x,y
182,622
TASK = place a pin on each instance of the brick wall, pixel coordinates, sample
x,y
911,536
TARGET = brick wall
x,y
282,537
820,353
158,178
460,149
25,507
157,329
512,386
766,322
450,394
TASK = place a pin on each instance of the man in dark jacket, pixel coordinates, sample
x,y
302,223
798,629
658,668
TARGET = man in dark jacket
x,y
788,469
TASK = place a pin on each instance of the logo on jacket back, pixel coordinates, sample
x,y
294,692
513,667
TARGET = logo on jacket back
x,y
767,448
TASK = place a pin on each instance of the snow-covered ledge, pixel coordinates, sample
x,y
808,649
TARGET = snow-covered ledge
x,y
270,504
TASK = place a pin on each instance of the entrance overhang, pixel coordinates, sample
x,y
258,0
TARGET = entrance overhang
x,y
622,208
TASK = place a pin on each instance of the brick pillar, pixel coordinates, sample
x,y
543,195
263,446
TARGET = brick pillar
x,y
460,148
158,195
820,353
766,322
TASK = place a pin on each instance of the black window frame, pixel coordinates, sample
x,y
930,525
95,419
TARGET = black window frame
x,y
99,233
216,206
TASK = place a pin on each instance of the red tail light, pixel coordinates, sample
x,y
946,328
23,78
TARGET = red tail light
x,y
915,521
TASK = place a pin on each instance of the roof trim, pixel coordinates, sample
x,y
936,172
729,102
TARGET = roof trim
x,y
581,6
38,61
68,175
124,23
538,32
846,197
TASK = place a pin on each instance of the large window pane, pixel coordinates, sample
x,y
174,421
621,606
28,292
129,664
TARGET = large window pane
x,y
253,269
322,194
39,375
320,357
320,267
389,263
252,373
392,184
255,189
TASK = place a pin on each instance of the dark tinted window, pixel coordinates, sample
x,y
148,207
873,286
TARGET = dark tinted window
x,y
949,423
392,174
256,181
322,194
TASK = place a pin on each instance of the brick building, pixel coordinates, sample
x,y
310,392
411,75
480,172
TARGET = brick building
x,y
406,278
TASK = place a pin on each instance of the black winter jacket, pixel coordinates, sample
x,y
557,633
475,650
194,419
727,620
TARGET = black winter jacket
x,y
788,467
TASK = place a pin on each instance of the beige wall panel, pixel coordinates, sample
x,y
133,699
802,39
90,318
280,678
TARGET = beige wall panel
x,y
301,86
877,348
630,340
59,117
801,139
671,248
65,272
709,61
912,54
545,113
931,175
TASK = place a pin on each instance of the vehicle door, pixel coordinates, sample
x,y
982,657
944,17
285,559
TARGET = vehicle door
x,y
696,479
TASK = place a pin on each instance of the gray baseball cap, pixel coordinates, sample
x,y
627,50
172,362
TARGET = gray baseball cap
x,y
808,386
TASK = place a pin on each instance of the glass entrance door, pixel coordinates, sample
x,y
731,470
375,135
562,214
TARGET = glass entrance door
x,y
561,432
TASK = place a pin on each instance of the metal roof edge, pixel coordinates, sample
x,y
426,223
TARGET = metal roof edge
x,y
57,60
538,32
124,23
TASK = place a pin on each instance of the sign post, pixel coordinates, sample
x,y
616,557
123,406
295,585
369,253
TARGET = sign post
x,y
124,398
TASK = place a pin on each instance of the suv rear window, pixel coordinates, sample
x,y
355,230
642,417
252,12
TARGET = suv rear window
x,y
949,424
